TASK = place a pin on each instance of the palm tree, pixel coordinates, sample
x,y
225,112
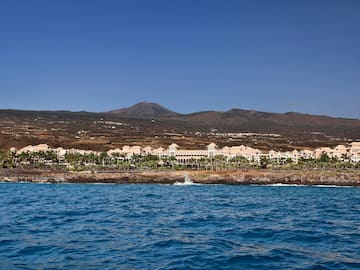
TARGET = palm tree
x,y
218,162
172,160
264,162
104,158
2,156
324,158
239,162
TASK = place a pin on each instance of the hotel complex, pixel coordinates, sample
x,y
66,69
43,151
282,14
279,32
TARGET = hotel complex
x,y
350,152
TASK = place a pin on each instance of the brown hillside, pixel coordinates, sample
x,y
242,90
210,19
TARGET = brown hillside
x,y
135,126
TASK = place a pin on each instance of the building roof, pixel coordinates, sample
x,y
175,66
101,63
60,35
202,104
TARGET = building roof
x,y
173,145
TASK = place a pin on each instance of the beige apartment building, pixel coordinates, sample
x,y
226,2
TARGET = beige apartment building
x,y
354,152
350,152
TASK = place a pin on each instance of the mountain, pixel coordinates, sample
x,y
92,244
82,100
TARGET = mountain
x,y
237,120
134,126
145,110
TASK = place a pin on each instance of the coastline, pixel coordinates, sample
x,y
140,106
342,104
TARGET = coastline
x,y
315,177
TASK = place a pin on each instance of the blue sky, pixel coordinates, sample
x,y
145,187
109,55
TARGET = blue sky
x,y
194,55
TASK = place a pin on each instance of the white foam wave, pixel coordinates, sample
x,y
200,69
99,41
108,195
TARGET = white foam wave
x,y
187,182
300,185
287,185
332,186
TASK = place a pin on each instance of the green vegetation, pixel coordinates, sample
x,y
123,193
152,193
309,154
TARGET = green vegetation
x,y
103,161
2,156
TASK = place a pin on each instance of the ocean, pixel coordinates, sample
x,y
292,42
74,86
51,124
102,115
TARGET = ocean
x,y
81,226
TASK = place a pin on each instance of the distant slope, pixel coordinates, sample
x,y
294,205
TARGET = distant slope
x,y
237,120
145,109
133,126
254,121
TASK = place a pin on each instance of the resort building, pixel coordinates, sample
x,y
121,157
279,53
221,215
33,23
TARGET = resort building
x,y
318,152
283,156
184,156
306,154
127,152
31,148
354,148
340,152
245,151
354,152
60,152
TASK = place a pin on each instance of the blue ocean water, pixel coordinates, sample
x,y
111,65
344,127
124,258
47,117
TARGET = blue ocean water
x,y
72,226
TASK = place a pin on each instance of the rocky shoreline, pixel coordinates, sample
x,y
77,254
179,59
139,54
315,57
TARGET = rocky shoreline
x,y
239,177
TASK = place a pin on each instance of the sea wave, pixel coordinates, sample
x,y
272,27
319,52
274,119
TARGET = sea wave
x,y
162,227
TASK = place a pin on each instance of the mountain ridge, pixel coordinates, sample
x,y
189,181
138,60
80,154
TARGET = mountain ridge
x,y
155,125
145,108
236,120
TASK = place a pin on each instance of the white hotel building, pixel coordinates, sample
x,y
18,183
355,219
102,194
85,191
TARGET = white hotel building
x,y
350,152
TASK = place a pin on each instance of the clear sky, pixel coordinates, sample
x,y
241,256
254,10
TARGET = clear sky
x,y
192,55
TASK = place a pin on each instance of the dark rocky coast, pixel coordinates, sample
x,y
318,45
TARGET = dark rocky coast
x,y
349,177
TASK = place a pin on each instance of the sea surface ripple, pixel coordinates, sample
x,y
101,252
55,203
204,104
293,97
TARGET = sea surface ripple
x,y
79,226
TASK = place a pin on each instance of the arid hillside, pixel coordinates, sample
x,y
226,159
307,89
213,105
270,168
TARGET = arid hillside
x,y
151,124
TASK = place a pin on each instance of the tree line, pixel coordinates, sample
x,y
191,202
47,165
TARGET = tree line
x,y
77,161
